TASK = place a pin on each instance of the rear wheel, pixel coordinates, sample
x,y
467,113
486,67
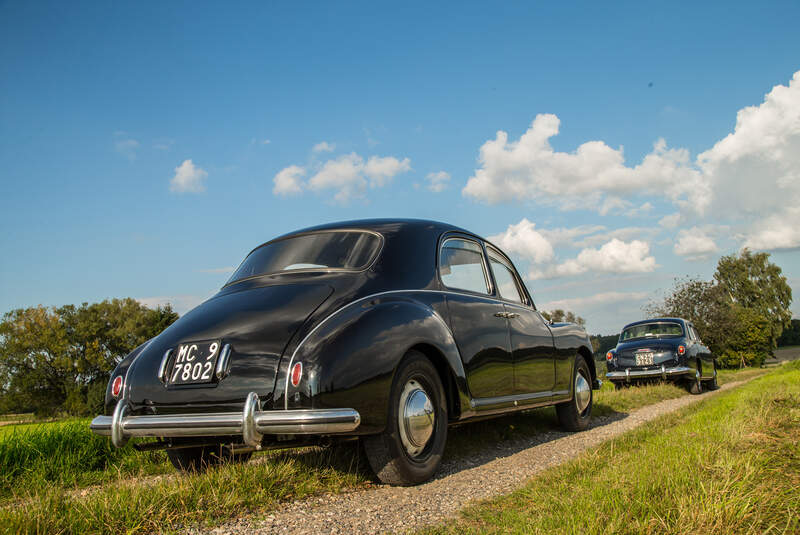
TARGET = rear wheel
x,y
197,459
574,415
410,449
711,384
695,385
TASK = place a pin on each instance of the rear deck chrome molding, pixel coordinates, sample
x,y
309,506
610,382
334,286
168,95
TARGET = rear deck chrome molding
x,y
662,372
251,424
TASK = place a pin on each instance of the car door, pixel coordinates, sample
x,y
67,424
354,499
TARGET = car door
x,y
532,349
477,319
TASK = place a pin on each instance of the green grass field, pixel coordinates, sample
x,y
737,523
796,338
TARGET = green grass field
x,y
728,465
46,466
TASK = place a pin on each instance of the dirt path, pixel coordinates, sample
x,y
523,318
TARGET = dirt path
x,y
458,483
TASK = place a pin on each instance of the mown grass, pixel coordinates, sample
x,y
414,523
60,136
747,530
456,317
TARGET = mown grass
x,y
45,468
728,465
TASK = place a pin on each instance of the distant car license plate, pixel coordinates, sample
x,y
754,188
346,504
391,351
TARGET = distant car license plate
x,y
194,363
644,359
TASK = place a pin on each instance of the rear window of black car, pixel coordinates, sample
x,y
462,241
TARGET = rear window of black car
x,y
661,329
320,251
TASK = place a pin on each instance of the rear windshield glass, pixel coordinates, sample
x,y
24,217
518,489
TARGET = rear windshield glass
x,y
652,330
320,251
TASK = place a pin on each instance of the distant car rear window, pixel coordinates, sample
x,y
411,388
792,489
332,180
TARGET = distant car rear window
x,y
661,329
320,251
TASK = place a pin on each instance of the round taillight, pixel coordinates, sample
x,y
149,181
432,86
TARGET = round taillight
x,y
116,386
609,355
681,350
297,373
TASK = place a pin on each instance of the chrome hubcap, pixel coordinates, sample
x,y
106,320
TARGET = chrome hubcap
x,y
583,392
417,418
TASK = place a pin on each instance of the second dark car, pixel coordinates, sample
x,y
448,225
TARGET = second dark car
x,y
662,349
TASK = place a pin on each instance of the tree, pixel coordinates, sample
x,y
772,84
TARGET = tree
x,y
753,282
790,336
59,359
750,343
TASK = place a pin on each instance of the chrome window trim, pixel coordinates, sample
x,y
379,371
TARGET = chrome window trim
x,y
351,303
490,249
487,278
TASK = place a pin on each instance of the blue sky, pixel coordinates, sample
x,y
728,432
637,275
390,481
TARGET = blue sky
x,y
102,105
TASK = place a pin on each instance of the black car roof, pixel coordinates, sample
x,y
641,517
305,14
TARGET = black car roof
x,y
384,226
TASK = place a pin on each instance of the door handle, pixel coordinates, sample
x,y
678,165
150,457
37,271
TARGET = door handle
x,y
511,315
500,315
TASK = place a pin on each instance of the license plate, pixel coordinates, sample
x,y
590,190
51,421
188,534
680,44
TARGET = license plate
x,y
644,359
194,363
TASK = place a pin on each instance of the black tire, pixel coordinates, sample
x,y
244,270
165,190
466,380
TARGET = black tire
x,y
569,414
712,384
694,384
388,454
199,458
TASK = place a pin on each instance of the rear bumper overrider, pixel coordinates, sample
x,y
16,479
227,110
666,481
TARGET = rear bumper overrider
x,y
663,372
251,424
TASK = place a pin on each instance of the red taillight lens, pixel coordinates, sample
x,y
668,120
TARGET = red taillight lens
x,y
609,355
297,374
116,386
681,350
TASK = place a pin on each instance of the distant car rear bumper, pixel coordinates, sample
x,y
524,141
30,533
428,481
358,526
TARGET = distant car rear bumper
x,y
627,375
251,424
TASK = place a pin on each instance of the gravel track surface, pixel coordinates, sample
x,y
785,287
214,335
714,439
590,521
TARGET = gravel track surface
x,y
458,482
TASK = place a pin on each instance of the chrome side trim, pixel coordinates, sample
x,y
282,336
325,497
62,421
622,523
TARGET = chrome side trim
x,y
481,403
662,372
251,423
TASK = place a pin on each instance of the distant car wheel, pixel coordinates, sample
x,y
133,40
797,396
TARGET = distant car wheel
x,y
711,384
410,449
199,458
574,415
695,385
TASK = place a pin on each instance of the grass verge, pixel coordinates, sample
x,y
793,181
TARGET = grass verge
x,y
728,465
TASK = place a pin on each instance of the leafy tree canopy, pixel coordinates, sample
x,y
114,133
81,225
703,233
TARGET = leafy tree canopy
x,y
59,359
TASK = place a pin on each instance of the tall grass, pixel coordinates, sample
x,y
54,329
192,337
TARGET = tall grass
x,y
67,454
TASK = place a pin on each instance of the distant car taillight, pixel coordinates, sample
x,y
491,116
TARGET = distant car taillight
x,y
609,355
297,374
116,386
681,350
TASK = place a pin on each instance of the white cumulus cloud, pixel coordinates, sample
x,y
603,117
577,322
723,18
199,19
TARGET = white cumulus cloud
x,y
348,176
594,175
616,256
438,181
188,178
289,181
324,146
694,244
524,240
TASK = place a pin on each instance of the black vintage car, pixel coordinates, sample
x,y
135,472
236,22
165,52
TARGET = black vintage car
x,y
388,330
662,349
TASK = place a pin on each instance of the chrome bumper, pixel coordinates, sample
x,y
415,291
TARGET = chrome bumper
x,y
251,423
664,372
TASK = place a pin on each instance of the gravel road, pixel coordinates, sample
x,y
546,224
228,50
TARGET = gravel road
x,y
459,482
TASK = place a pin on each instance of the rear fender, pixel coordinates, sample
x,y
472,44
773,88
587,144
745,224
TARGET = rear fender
x,y
350,360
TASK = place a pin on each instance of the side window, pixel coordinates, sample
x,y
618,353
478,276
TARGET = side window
x,y
504,277
461,266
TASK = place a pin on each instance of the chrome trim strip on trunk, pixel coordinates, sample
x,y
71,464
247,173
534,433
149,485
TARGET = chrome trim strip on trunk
x,y
251,423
